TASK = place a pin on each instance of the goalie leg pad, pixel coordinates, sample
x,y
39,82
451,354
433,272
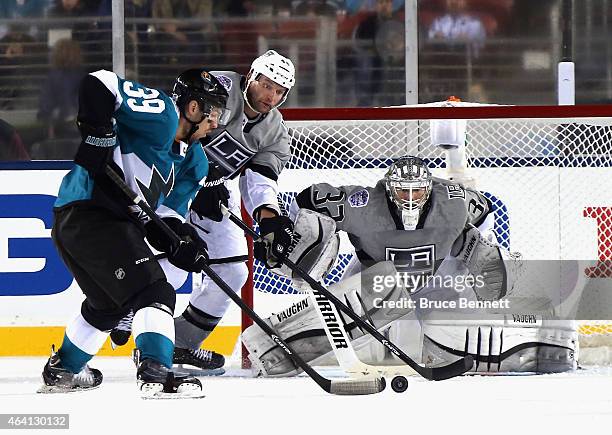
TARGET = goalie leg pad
x,y
503,345
301,327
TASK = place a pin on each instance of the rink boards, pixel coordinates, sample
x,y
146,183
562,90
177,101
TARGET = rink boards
x,y
549,220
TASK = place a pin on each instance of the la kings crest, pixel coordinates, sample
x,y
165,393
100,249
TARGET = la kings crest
x,y
418,261
228,153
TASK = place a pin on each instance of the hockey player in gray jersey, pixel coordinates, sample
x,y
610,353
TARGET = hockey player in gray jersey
x,y
425,226
247,152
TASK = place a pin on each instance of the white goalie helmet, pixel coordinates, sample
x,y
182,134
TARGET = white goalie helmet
x,y
408,183
277,68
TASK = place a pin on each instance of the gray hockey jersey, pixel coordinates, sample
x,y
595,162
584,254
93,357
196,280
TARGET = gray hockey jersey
x,y
240,144
375,227
238,141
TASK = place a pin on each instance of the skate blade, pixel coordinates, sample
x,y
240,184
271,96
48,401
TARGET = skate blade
x,y
196,371
51,389
185,391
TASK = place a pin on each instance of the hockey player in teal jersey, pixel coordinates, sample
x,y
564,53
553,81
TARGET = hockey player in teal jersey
x,y
152,141
251,146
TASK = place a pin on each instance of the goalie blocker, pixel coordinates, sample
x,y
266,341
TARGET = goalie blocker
x,y
314,247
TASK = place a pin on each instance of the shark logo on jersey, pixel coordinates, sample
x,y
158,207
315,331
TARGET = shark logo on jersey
x,y
157,186
359,198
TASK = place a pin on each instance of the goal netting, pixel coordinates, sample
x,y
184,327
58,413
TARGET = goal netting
x,y
546,170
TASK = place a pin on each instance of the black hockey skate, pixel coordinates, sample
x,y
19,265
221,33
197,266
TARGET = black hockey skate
x,y
205,362
156,381
58,379
120,334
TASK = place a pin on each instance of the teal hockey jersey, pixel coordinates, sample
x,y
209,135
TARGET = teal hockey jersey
x,y
166,174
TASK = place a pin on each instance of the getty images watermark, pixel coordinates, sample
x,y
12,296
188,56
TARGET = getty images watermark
x,y
414,282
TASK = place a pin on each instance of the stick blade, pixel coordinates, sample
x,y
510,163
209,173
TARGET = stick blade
x,y
357,387
457,368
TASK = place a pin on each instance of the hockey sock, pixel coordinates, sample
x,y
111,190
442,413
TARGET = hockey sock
x,y
153,330
192,327
81,342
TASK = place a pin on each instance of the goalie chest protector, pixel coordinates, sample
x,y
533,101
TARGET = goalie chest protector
x,y
376,229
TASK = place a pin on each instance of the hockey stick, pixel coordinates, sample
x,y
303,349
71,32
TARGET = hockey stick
x,y
333,386
433,373
341,343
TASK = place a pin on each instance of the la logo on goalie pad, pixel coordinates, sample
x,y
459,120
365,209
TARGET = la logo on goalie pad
x,y
314,247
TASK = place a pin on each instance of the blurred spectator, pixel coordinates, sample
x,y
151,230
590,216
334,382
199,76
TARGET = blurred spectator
x,y
13,63
15,9
137,34
94,42
138,8
11,145
133,8
379,43
356,6
72,8
459,25
283,8
244,8
316,8
175,9
239,8
58,104
194,43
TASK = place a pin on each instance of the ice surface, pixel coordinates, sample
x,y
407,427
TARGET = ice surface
x,y
571,403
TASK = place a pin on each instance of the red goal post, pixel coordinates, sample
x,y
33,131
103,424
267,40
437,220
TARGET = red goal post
x,y
546,169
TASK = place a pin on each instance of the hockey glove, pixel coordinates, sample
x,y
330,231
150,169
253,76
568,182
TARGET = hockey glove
x,y
157,238
211,195
276,236
191,254
96,147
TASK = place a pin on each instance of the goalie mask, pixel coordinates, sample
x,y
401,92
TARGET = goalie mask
x,y
408,183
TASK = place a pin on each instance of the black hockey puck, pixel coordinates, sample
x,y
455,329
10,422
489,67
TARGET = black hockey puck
x,y
399,384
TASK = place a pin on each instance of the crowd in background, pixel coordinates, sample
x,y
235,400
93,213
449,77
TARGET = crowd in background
x,y
46,46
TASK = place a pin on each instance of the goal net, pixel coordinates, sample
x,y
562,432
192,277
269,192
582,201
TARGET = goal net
x,y
546,170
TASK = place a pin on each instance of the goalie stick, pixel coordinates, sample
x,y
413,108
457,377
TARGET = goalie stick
x,y
432,373
332,386
341,343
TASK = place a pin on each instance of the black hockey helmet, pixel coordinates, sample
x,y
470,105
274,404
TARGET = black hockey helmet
x,y
199,85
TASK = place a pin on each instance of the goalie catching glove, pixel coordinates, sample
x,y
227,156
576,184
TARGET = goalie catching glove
x,y
484,258
276,237
211,195
190,254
